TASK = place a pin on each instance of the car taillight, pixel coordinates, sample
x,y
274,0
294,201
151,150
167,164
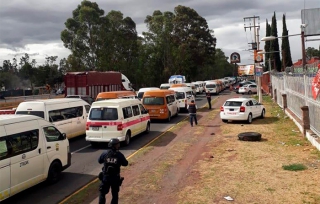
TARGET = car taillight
x,y
242,109
87,126
221,108
119,127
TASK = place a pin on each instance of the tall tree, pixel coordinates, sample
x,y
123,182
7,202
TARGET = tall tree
x,y
312,52
274,45
82,33
285,46
267,46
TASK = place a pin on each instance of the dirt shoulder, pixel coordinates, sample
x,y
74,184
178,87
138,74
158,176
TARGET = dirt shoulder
x,y
205,163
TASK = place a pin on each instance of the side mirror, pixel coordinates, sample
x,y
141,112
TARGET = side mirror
x,y
63,136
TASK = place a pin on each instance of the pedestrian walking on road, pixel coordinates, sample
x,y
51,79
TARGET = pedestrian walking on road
x,y
208,94
112,160
192,109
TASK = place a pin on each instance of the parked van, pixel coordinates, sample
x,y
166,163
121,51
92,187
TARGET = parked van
x,y
193,88
212,87
69,115
178,85
184,95
32,150
115,94
165,86
143,90
161,104
116,118
199,86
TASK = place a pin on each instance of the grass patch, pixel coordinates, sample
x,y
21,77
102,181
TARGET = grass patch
x,y
294,167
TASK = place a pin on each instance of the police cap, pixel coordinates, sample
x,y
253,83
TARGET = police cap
x,y
113,142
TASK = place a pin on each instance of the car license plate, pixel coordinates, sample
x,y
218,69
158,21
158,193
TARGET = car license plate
x,y
231,109
153,111
232,113
95,128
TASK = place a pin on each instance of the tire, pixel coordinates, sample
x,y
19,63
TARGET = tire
x,y
249,120
54,172
177,112
250,92
225,121
263,113
169,117
127,140
147,128
249,136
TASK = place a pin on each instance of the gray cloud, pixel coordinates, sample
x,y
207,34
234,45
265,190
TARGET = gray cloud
x,y
41,22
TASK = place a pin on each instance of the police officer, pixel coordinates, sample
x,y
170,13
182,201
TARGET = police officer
x,y
112,160
208,94
192,109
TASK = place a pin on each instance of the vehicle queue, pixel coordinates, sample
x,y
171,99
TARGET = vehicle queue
x,y
120,115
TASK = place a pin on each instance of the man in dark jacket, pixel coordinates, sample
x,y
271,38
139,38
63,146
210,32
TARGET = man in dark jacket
x,y
208,94
112,160
192,109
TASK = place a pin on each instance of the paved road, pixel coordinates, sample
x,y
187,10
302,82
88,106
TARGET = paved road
x,y
85,167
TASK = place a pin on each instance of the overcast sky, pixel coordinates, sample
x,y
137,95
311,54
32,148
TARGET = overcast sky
x,y
34,26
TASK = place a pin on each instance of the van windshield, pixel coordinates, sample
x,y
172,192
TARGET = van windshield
x,y
153,101
104,113
36,113
140,94
180,95
211,86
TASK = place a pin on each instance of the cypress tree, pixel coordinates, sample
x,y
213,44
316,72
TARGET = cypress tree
x,y
267,46
274,45
285,46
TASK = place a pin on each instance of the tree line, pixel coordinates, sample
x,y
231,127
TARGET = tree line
x,y
280,59
178,42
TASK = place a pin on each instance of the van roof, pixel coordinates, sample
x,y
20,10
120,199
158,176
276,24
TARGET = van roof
x,y
148,88
180,88
159,92
8,119
115,94
115,102
56,100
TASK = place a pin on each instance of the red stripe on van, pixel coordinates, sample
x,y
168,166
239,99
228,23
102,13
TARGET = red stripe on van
x,y
126,124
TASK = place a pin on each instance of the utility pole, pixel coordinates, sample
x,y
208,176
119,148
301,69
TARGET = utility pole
x,y
255,46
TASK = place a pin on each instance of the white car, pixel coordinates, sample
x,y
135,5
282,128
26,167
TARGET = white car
x,y
241,109
248,88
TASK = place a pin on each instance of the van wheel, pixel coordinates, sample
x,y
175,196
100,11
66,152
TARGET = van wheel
x,y
54,172
169,117
126,142
262,114
177,112
147,128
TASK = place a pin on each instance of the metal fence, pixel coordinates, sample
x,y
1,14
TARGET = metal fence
x,y
297,87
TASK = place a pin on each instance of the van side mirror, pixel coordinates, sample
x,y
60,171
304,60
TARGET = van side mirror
x,y
63,136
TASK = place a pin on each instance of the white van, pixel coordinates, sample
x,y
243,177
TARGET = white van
x,y
116,118
69,115
32,150
212,87
184,95
193,87
142,90
165,86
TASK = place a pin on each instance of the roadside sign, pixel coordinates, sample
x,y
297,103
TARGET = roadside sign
x,y
259,71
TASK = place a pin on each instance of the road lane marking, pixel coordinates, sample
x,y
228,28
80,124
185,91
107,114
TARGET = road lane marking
x,y
131,155
80,149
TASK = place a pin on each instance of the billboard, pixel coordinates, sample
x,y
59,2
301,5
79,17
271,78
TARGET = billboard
x,y
245,70
235,58
310,19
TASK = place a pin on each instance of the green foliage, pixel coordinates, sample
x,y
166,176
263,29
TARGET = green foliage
x,y
312,52
294,167
267,46
285,46
274,45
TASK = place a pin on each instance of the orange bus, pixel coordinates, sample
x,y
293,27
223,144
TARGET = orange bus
x,y
115,94
161,104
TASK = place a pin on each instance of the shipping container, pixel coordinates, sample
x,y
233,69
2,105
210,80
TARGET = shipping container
x,y
91,83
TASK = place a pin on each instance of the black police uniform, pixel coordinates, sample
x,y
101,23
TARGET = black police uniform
x,y
192,109
208,94
112,160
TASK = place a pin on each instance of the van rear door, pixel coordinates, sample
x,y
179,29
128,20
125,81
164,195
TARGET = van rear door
x,y
5,166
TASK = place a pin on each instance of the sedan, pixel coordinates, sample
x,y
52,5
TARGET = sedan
x,y
241,109
248,88
241,84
